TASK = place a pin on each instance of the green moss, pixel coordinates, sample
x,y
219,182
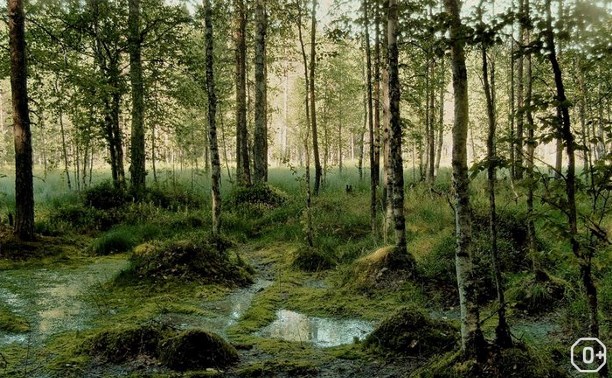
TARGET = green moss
x,y
196,349
11,322
312,259
411,332
295,368
518,362
123,343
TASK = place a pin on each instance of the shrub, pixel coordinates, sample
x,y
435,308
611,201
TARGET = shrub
x,y
115,241
106,196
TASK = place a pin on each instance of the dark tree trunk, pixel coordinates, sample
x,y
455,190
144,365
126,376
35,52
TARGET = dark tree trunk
x,y
371,130
24,187
137,147
518,153
570,185
243,171
395,140
502,331
212,127
431,135
260,142
313,111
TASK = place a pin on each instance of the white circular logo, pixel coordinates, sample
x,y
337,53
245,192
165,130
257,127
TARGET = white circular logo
x,y
589,355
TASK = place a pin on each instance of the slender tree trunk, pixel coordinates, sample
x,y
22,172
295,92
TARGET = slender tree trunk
x,y
388,168
431,136
24,186
472,340
395,143
313,107
63,134
570,186
243,171
260,143
212,127
371,134
502,331
376,95
441,116
153,152
512,114
137,147
520,96
531,145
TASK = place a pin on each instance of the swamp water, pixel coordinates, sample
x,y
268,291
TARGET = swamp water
x,y
54,301
322,332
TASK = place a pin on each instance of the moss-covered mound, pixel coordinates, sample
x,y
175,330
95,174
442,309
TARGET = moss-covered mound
x,y
177,350
192,260
121,344
411,332
516,362
196,349
383,268
540,292
259,194
312,259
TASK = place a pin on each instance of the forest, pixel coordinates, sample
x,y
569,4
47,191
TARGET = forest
x,y
305,188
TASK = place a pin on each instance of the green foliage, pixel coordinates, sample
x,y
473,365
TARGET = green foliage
x,y
411,332
106,196
115,241
537,293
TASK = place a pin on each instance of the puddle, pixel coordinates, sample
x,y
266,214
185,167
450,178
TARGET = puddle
x,y
52,301
322,332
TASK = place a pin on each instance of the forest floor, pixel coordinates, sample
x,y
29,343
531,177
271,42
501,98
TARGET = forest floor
x,y
287,322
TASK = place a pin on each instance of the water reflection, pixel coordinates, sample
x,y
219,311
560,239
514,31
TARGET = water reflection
x,y
322,332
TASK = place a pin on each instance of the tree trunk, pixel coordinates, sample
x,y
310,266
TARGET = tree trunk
x,y
371,130
24,186
313,111
518,166
376,99
441,116
137,147
570,185
431,136
502,331
395,127
212,127
472,340
260,143
243,171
